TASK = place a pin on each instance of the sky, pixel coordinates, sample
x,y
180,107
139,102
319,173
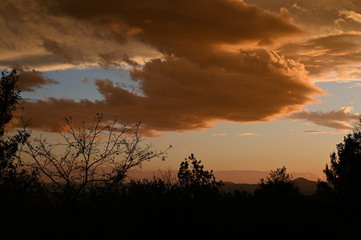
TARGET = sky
x,y
243,85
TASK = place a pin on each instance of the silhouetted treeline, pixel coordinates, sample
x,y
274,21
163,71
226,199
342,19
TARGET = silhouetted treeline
x,y
163,209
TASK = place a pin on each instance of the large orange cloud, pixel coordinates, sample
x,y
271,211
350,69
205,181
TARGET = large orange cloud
x,y
178,27
178,94
57,34
212,64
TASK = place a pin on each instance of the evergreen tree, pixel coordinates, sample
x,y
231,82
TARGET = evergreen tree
x,y
343,172
278,186
13,179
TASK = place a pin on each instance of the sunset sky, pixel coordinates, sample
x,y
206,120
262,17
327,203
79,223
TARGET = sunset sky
x,y
244,85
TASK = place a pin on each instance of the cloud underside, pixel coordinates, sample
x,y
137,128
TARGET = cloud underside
x,y
204,60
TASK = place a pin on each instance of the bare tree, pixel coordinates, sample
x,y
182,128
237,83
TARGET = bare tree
x,y
89,156
167,176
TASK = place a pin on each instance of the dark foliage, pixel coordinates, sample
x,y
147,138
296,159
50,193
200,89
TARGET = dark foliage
x,y
161,209
194,181
15,180
278,187
20,188
343,173
191,172
9,97
341,194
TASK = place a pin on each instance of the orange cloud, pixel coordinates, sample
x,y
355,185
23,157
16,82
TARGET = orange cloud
x,y
62,51
191,83
335,54
337,119
37,39
178,27
318,17
326,132
351,15
44,34
29,80
246,134
331,47
179,95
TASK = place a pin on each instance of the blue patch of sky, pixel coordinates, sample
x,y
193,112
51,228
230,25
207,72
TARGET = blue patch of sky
x,y
73,86
339,94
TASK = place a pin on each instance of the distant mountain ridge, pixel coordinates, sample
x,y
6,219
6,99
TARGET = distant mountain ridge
x,y
254,176
235,176
246,180
238,179
306,186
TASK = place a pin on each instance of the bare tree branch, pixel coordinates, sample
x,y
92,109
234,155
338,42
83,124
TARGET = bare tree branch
x,y
88,155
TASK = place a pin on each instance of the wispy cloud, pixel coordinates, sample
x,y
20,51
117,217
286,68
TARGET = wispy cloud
x,y
351,15
337,119
335,55
325,132
246,134
219,134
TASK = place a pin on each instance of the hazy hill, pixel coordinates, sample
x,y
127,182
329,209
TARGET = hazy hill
x,y
231,187
306,186
254,176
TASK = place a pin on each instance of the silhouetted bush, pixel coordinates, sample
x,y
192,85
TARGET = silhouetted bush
x,y
196,182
